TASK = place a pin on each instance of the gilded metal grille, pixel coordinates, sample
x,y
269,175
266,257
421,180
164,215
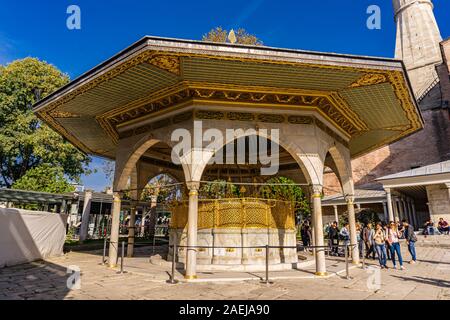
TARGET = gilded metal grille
x,y
237,213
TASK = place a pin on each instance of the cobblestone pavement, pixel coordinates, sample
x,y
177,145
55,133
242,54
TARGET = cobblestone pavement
x,y
427,279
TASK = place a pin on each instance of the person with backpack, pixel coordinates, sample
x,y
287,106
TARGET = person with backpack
x,y
368,234
393,236
411,239
345,236
333,236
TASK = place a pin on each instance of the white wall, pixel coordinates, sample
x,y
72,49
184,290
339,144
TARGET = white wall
x,y
30,235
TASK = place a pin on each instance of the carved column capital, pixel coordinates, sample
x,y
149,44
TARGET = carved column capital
x,y
193,186
316,190
350,199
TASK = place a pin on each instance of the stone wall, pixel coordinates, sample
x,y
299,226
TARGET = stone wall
x,y
439,202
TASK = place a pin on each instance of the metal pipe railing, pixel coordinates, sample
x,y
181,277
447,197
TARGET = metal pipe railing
x,y
266,279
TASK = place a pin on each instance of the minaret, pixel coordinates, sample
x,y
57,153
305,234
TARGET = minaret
x,y
418,39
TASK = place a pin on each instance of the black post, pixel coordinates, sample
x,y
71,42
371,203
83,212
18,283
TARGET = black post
x,y
267,266
174,260
346,262
104,251
121,257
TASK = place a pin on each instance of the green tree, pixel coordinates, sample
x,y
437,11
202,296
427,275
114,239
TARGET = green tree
x,y
221,35
282,188
44,178
219,189
25,141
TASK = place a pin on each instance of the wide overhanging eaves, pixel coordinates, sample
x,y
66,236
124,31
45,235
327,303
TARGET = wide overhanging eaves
x,y
367,100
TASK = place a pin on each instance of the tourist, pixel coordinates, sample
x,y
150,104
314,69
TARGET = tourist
x,y
359,238
368,240
411,239
393,239
388,246
429,227
379,239
305,232
443,226
333,236
345,235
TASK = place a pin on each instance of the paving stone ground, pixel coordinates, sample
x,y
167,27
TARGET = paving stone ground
x,y
427,279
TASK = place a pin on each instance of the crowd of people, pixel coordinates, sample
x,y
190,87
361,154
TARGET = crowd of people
x,y
442,228
376,241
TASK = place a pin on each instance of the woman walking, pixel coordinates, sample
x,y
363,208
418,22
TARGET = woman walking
x,y
393,235
379,238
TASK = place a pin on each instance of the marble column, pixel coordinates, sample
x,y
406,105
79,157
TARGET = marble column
x,y
153,215
352,224
389,204
318,231
396,210
191,259
386,214
85,215
115,224
336,214
413,214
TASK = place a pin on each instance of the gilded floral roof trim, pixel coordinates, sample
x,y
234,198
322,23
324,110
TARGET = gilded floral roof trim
x,y
63,114
166,62
333,108
369,79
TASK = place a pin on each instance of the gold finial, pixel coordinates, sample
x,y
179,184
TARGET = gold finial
x,y
232,36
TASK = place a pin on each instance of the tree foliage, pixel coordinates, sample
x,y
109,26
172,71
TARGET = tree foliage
x,y
221,35
25,141
219,189
162,187
282,188
44,178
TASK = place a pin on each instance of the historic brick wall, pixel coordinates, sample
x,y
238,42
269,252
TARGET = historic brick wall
x,y
439,200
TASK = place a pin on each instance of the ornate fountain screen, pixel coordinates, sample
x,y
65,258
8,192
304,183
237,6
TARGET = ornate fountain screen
x,y
237,213
228,228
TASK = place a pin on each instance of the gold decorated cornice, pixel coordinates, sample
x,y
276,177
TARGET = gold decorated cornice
x,y
369,79
63,114
166,62
331,106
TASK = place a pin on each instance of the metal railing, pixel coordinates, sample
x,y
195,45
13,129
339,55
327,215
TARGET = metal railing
x,y
267,248
122,255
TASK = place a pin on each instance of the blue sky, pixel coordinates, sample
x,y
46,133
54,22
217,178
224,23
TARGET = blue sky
x,y
38,29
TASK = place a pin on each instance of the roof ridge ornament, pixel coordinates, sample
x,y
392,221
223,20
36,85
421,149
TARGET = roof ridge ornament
x,y
232,37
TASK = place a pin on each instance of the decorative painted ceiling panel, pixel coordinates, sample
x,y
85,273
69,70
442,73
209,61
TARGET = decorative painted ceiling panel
x,y
264,74
92,135
381,110
376,138
128,86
